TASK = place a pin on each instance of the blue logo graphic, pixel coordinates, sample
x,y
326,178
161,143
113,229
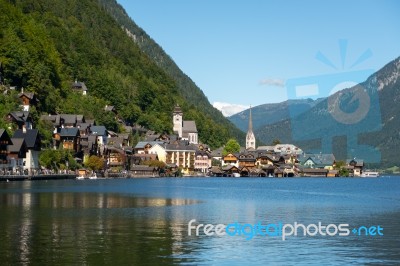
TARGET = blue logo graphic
x,y
351,107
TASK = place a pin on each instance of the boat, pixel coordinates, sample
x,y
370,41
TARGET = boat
x,y
370,174
80,177
94,176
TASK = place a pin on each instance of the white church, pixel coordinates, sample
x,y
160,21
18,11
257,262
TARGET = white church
x,y
250,137
186,130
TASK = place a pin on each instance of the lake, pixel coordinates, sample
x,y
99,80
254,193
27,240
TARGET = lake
x,y
145,221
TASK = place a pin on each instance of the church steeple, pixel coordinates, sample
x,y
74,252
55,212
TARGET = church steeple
x,y
250,138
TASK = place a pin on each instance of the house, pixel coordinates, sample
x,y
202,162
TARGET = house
x,y
145,146
186,130
323,161
202,161
5,141
101,133
217,154
356,166
284,149
120,141
216,171
68,120
269,170
89,145
247,159
138,159
27,99
22,119
33,144
69,139
16,155
54,120
144,170
231,159
269,159
315,172
230,170
159,149
182,155
115,158
80,87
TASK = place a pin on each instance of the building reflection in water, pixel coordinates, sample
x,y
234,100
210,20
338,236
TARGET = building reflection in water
x,y
88,227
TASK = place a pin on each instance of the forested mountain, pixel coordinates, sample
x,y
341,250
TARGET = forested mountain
x,y
47,44
373,134
270,113
185,86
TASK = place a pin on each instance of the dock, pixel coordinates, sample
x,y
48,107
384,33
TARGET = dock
x,y
6,178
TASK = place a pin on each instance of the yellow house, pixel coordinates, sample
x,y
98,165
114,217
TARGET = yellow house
x,y
160,151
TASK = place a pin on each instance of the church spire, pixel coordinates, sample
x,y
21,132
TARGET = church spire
x,y
250,138
250,122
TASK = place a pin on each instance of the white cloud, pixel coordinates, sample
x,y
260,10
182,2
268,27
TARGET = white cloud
x,y
229,109
273,82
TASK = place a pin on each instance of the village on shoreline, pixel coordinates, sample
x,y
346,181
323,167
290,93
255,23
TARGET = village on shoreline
x,y
91,149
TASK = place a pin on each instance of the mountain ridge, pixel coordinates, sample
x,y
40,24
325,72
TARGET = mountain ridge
x,y
376,134
266,114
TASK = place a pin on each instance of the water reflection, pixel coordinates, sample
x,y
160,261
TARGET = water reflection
x,y
135,222
89,228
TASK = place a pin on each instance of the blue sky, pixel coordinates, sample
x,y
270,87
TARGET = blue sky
x,y
242,52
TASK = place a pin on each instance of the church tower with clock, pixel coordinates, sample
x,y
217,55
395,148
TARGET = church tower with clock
x,y
177,117
185,129
250,138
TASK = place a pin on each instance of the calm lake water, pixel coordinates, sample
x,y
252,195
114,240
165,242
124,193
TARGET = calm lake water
x,y
145,221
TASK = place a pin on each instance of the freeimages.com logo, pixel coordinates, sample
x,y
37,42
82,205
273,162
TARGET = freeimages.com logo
x,y
280,229
352,107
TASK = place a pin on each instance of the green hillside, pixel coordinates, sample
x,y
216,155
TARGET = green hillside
x,y
46,45
184,85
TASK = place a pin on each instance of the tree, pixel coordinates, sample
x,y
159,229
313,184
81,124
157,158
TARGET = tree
x,y
276,142
95,163
154,163
231,146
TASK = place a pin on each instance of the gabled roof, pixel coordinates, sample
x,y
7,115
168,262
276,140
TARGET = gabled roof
x,y
319,159
16,146
203,153
68,118
80,118
31,136
229,168
79,85
4,135
20,116
189,127
69,132
217,152
55,119
142,144
99,130
355,162
29,95
117,142
84,126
